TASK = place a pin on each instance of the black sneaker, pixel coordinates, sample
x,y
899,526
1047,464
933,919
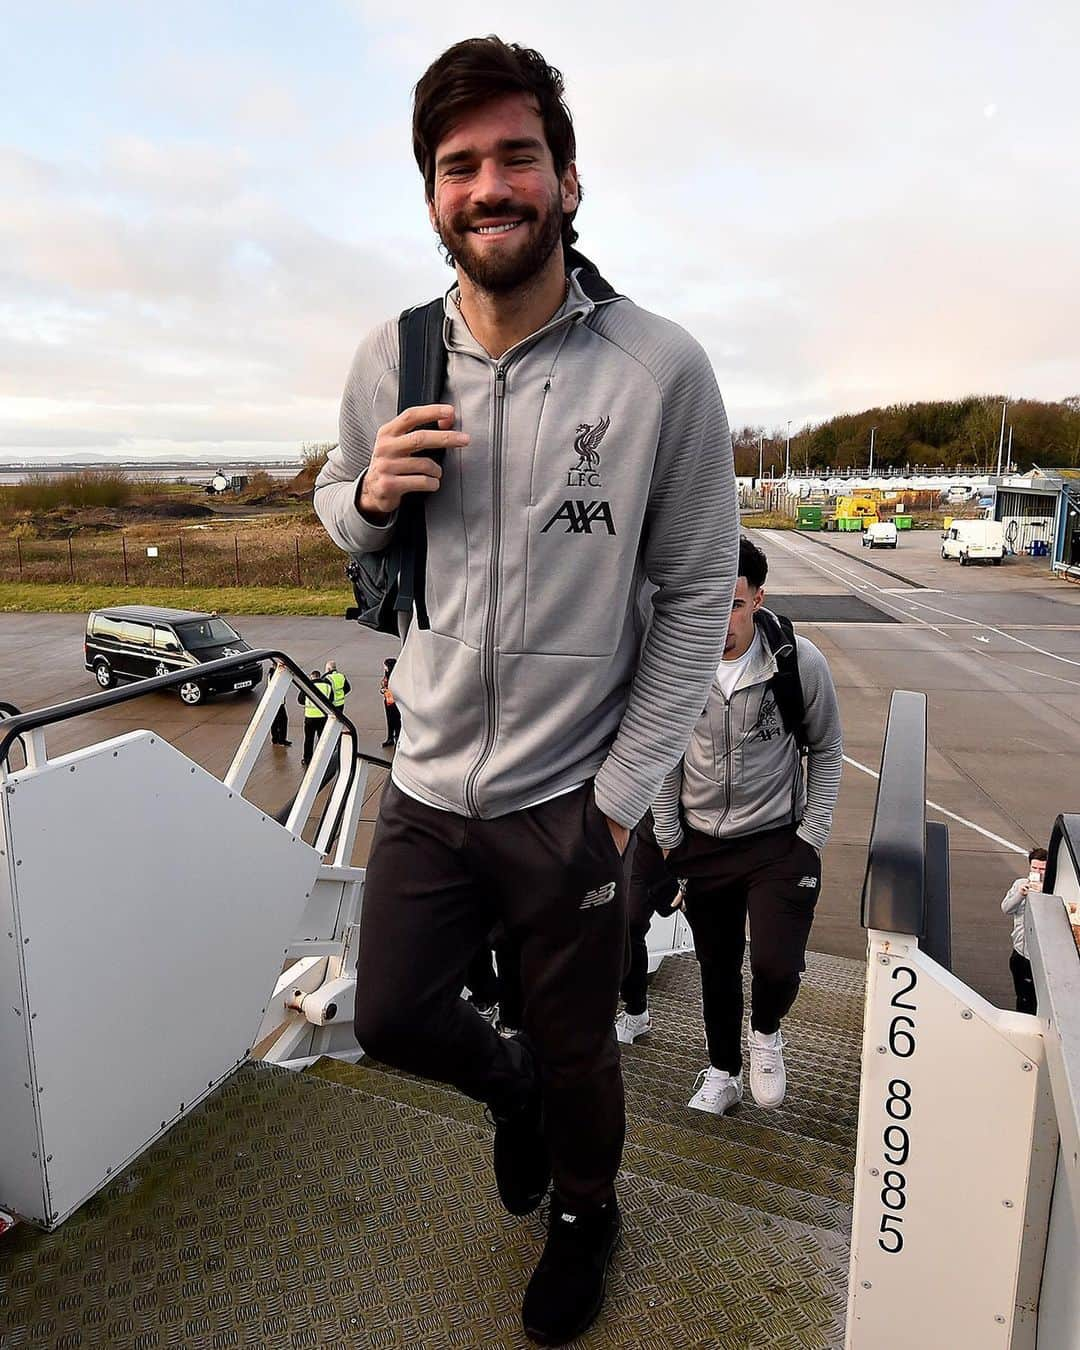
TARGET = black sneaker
x,y
519,1155
566,1291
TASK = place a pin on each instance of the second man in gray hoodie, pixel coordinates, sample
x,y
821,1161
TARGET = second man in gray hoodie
x,y
745,825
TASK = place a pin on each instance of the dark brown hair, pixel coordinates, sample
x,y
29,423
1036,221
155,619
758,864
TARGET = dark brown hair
x,y
753,564
474,72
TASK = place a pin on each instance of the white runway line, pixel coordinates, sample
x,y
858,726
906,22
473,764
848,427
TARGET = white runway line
x,y
1029,670
944,810
847,578
841,575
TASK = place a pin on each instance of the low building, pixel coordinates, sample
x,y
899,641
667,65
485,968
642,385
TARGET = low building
x,y
1040,512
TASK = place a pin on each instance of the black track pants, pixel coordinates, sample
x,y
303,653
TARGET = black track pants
x,y
312,731
279,727
436,885
652,888
1023,983
774,877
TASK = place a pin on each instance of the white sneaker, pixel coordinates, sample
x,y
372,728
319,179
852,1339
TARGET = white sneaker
x,y
507,1032
768,1082
717,1091
629,1026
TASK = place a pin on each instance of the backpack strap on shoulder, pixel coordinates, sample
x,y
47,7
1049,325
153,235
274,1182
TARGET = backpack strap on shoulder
x,y
589,279
786,685
421,376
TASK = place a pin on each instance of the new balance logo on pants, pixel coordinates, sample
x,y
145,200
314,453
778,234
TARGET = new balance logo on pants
x,y
600,896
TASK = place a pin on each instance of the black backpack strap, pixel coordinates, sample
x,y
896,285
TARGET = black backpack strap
x,y
589,279
786,684
421,376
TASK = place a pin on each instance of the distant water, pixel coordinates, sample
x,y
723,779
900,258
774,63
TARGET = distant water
x,y
199,474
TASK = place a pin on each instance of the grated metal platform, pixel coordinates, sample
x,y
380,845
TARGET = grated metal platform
x,y
354,1207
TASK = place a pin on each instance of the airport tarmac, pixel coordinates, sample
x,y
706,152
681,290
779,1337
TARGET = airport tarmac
x,y
995,649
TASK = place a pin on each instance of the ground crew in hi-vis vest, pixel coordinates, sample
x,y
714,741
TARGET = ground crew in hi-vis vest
x,y
339,684
314,716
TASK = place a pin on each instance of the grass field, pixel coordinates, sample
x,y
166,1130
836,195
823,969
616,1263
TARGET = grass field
x,y
46,598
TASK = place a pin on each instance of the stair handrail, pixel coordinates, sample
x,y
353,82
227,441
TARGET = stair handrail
x,y
1064,840
1055,968
27,723
894,889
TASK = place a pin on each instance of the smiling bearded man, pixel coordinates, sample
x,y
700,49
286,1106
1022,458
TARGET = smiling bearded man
x,y
586,452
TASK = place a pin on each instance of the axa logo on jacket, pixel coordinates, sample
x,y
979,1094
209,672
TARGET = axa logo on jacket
x,y
580,517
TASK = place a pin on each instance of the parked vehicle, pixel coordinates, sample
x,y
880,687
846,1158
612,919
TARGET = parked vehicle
x,y
881,534
974,541
136,642
861,506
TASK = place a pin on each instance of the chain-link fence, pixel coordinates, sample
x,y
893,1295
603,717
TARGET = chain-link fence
x,y
182,559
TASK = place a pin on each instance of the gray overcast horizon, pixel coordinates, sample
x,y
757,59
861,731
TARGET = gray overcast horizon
x,y
203,208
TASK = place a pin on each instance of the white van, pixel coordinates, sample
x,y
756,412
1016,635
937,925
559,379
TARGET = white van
x,y
974,541
882,534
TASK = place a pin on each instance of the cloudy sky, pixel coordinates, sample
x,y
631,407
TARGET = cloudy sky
x,y
204,205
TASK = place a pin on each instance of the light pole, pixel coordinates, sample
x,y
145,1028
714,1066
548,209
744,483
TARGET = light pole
x,y
1008,453
1001,437
760,452
871,468
787,454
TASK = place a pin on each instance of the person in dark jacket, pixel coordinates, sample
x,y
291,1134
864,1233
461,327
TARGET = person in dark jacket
x,y
279,727
393,717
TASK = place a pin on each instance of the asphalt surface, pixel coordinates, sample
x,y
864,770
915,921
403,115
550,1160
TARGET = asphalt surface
x,y
995,649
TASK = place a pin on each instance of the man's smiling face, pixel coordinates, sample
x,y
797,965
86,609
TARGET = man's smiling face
x,y
499,203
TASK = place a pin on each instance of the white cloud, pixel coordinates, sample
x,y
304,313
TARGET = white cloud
x,y
811,191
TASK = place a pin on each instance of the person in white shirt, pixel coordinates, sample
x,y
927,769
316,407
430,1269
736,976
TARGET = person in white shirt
x,y
1015,904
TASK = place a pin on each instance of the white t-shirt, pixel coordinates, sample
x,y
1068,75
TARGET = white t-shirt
x,y
729,673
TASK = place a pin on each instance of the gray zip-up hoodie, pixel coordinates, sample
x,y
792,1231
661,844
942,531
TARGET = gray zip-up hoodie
x,y
742,772
599,456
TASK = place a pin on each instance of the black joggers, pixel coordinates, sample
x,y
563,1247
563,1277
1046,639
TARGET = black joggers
x,y
436,885
312,731
1023,983
774,877
653,887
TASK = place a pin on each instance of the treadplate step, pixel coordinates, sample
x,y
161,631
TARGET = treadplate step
x,y
803,1113
285,1213
826,999
702,1141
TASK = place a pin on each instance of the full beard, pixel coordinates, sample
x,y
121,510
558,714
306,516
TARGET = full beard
x,y
498,275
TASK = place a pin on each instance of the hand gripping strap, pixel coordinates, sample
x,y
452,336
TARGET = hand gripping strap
x,y
422,374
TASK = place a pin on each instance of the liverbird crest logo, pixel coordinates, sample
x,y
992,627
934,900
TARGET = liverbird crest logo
x,y
586,472
586,442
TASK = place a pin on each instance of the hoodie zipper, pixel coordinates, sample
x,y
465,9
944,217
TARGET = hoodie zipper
x,y
487,644
728,752
487,648
729,749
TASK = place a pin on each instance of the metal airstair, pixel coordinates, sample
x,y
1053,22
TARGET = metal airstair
x,y
339,1203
